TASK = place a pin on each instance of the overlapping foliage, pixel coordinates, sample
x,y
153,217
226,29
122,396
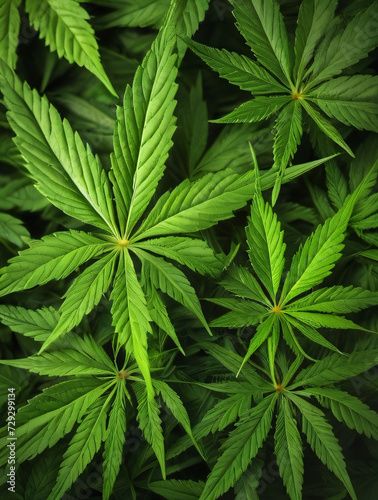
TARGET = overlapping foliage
x,y
148,224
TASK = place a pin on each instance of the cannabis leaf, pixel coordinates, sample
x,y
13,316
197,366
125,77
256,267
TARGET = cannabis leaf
x,y
296,84
252,425
281,309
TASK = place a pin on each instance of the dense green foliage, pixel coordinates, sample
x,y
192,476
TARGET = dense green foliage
x,y
189,271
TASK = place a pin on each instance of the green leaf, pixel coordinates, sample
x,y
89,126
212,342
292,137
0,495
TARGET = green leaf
x,y
335,368
172,489
311,333
348,409
312,263
325,126
173,282
82,448
128,14
232,362
336,299
193,206
320,320
343,48
262,25
262,333
313,20
66,30
159,315
150,424
67,172
193,253
255,110
351,100
266,247
289,450
115,437
322,441
242,283
53,257
13,230
144,128
243,313
36,324
83,356
224,413
139,318
9,28
240,448
52,414
85,293
174,404
238,69
288,136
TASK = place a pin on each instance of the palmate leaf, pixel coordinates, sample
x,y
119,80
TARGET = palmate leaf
x,y
193,253
35,324
83,446
351,100
9,28
66,172
335,368
348,409
85,293
344,48
322,440
255,110
238,69
53,257
115,437
240,448
171,281
266,247
144,127
289,450
52,414
313,20
66,30
262,25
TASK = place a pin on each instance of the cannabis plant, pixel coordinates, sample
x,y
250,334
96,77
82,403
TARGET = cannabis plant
x,y
165,330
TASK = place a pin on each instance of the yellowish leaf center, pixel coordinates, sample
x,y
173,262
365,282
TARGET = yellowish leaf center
x,y
279,387
123,374
124,242
297,95
276,309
